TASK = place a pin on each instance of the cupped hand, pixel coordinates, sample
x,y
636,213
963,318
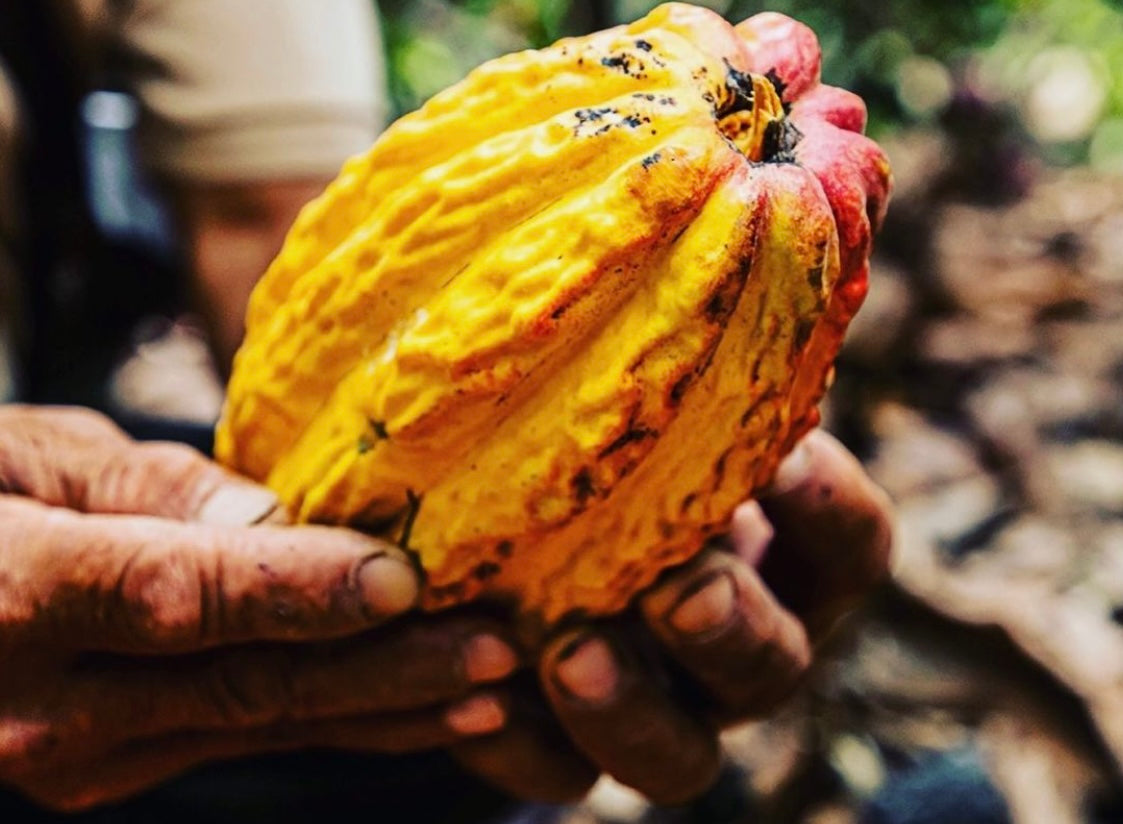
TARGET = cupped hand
x,y
723,639
152,619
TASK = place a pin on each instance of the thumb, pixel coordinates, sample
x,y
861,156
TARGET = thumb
x,y
78,459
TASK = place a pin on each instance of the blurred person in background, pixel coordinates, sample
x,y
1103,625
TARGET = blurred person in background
x,y
155,613
249,110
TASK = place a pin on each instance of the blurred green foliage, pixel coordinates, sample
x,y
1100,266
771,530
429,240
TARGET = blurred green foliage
x,y
1058,64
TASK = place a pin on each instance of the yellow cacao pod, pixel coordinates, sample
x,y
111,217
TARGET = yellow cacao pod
x,y
556,324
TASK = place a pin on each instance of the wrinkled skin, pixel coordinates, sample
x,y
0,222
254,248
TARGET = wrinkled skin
x,y
152,618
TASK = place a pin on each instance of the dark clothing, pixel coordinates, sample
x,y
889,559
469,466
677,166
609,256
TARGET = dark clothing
x,y
323,788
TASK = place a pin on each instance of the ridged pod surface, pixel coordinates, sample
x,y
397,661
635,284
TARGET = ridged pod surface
x,y
556,324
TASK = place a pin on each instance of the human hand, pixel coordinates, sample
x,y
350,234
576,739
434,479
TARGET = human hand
x,y
145,627
725,638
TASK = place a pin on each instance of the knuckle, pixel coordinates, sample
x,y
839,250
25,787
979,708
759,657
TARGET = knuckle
x,y
83,419
253,691
57,454
161,597
175,458
165,475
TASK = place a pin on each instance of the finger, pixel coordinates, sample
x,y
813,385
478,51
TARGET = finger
x,y
136,584
620,718
530,758
717,619
833,534
138,765
750,533
78,459
410,666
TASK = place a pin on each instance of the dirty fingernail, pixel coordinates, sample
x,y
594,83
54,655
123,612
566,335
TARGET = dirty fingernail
x,y
487,658
388,585
706,608
587,669
476,715
238,504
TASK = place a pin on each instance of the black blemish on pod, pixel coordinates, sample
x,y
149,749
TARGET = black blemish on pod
x,y
449,592
719,467
778,84
368,439
624,63
592,115
815,277
679,388
780,139
803,330
633,435
715,308
486,570
583,488
740,86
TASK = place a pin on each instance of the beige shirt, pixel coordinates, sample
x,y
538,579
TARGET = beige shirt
x,y
231,90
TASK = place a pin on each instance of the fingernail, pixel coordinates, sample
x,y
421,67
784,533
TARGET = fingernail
x,y
587,670
706,608
388,585
238,504
487,658
476,715
793,471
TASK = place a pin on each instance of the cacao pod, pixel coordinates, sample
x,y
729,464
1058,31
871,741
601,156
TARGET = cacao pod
x,y
556,324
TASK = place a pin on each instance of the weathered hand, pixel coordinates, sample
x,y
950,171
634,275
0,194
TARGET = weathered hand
x,y
722,639
145,627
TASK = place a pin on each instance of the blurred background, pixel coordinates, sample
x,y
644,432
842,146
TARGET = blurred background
x,y
1055,63
982,385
